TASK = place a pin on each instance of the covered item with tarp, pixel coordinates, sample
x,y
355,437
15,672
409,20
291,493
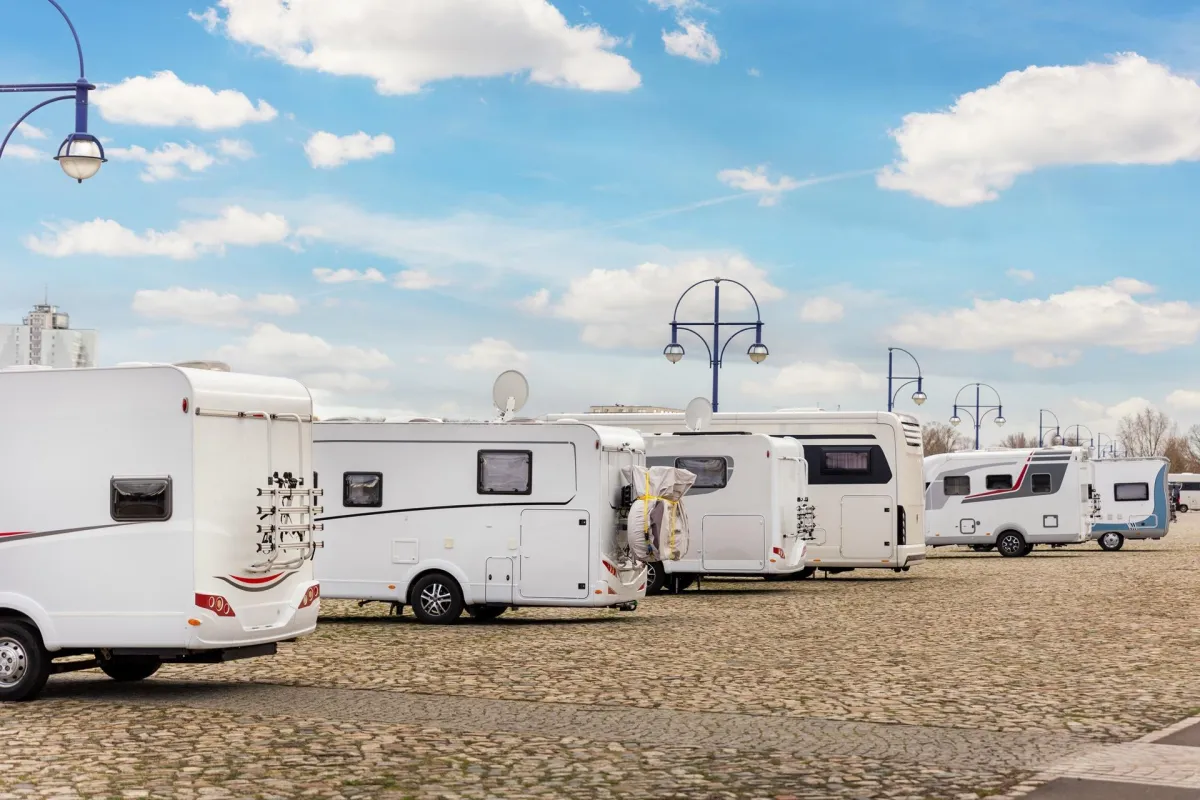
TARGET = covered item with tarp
x,y
658,528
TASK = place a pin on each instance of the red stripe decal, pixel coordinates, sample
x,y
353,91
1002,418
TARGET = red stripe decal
x,y
14,533
264,579
1020,480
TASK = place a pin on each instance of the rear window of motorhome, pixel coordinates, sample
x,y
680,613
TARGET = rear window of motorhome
x,y
995,482
956,484
1042,483
362,489
1129,492
140,499
505,472
847,461
710,472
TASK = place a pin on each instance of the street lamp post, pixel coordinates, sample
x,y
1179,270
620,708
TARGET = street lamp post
x,y
1100,444
981,411
919,396
1091,439
81,154
1056,438
716,352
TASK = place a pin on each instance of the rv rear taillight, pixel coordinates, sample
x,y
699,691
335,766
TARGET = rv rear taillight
x,y
778,551
184,405
216,604
611,590
311,596
612,570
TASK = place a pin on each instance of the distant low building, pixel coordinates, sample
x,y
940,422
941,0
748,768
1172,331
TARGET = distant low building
x,y
620,409
45,338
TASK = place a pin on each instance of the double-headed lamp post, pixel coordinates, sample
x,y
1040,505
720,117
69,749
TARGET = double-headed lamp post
x,y
1091,436
1054,439
81,154
981,411
919,396
757,353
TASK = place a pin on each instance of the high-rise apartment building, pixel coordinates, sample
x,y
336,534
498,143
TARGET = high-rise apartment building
x,y
46,338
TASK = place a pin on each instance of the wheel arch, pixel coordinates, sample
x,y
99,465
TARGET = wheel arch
x,y
451,571
21,609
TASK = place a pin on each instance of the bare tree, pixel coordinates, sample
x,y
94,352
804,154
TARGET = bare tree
x,y
1146,432
1018,441
938,437
1178,450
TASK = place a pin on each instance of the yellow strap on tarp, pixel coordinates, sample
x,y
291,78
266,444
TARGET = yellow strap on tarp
x,y
647,497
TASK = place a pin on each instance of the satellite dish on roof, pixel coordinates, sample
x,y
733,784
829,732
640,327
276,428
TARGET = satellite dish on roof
x,y
509,393
699,414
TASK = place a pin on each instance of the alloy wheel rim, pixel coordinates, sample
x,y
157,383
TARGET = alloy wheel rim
x,y
14,662
1110,539
436,599
651,574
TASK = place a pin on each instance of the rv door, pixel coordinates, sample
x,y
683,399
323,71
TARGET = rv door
x,y
867,527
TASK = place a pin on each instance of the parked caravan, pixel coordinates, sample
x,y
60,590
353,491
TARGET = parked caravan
x,y
864,478
1189,489
476,516
151,514
1010,500
748,510
1134,500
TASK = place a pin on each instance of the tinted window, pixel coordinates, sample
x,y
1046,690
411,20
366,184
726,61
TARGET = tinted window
x,y
956,484
1126,492
847,461
999,482
362,489
1042,483
140,499
710,471
843,464
1190,487
505,472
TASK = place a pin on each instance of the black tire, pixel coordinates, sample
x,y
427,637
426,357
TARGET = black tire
x,y
1011,544
436,599
1028,549
1183,509
24,663
656,578
485,613
1111,541
127,669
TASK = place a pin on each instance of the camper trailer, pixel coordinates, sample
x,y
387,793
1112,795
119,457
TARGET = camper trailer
x,y
1189,489
1134,500
476,516
864,478
1009,500
151,514
748,510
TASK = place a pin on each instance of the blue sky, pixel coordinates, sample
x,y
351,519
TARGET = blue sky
x,y
546,178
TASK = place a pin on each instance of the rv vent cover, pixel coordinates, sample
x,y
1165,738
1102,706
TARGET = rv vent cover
x,y
214,366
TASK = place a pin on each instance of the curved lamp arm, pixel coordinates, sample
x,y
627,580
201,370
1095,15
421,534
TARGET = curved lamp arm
x,y
721,357
698,336
24,116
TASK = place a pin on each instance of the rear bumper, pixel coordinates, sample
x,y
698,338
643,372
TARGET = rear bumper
x,y
224,633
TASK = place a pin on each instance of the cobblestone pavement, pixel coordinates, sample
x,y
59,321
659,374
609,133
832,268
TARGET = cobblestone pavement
x,y
963,678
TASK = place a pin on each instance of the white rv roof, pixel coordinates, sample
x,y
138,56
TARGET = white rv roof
x,y
984,456
734,417
608,435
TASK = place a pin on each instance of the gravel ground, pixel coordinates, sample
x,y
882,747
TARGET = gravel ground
x,y
871,686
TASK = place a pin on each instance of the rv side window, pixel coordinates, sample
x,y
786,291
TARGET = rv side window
x,y
362,489
846,461
1042,483
1190,487
1128,492
956,484
140,499
505,472
995,482
710,472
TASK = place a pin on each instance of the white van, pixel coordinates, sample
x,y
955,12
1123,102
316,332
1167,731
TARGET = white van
x,y
1009,500
151,514
1189,489
748,510
476,516
1134,500
865,478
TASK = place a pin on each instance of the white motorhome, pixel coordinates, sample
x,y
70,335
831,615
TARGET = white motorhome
x,y
1009,500
151,514
447,516
864,478
1189,489
748,510
1134,500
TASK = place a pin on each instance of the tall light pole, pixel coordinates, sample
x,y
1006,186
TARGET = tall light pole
x,y
1091,439
716,352
919,395
1100,444
1056,438
81,154
981,411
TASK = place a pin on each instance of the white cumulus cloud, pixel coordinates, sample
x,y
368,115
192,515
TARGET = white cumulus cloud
x,y
692,40
535,303
235,148
369,275
1021,275
1125,111
757,181
1184,398
327,150
27,131
417,280
405,44
489,354
822,309
165,163
825,382
206,307
24,152
270,350
164,100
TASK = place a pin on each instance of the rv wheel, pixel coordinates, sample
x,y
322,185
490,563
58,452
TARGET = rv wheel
x,y
437,600
1183,509
24,663
127,669
485,613
656,577
1112,541
1011,544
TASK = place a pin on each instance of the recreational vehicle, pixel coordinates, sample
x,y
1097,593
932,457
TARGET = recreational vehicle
x,y
864,478
1009,500
748,510
476,516
151,514
1134,500
1189,489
